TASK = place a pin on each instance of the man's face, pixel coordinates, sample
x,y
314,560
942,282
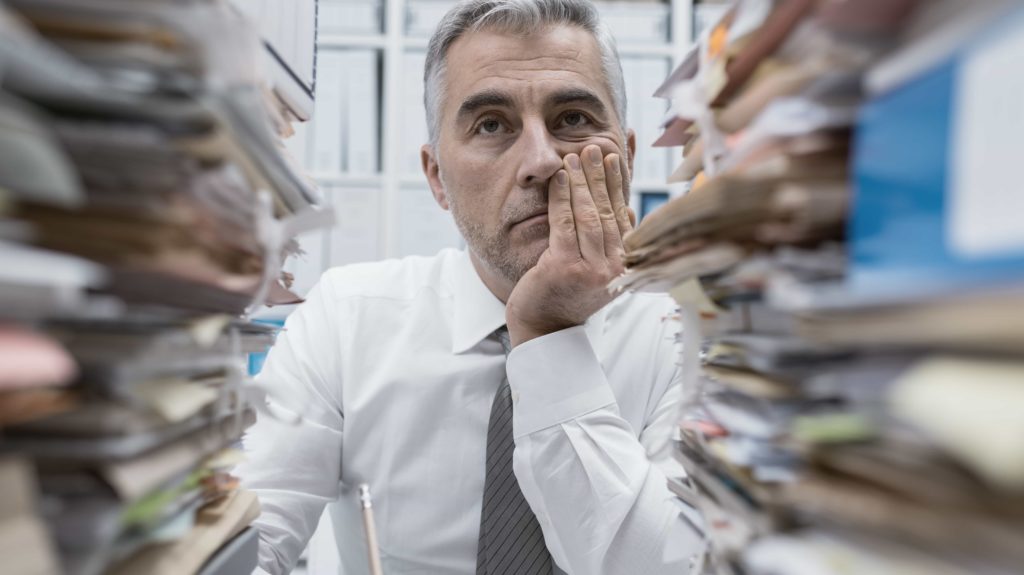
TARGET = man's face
x,y
514,107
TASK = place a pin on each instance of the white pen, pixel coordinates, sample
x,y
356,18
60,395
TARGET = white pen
x,y
371,530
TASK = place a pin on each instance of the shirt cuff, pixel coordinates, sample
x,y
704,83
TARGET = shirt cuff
x,y
555,378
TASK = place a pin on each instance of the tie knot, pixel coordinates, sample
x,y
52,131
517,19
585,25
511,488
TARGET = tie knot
x,y
501,334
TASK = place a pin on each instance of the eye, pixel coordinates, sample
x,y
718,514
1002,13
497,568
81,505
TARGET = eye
x,y
489,126
575,119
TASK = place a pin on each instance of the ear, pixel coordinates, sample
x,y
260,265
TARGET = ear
x,y
432,169
631,147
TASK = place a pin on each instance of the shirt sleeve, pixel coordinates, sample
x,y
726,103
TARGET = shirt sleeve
x,y
295,469
598,488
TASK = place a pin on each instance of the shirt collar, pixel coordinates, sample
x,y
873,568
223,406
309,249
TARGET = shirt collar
x,y
478,313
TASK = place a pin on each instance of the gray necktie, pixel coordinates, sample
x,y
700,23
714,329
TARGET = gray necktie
x,y
511,541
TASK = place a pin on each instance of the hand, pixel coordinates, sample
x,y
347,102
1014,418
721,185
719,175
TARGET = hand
x,y
588,217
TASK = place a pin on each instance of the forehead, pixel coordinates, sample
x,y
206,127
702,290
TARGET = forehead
x,y
552,58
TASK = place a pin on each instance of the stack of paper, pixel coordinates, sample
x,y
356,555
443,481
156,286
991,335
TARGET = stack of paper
x,y
835,425
146,203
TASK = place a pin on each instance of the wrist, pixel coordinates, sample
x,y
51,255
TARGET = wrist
x,y
519,333
526,322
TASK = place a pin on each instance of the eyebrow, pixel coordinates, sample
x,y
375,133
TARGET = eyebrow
x,y
485,99
498,99
577,96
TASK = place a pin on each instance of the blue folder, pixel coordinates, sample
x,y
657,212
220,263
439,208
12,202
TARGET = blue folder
x,y
902,164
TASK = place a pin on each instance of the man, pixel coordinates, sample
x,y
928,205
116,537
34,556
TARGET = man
x,y
540,462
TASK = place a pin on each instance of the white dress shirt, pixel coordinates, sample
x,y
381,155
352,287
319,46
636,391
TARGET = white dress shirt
x,y
391,368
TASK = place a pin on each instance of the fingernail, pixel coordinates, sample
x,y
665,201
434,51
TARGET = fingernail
x,y
563,179
574,161
595,156
615,165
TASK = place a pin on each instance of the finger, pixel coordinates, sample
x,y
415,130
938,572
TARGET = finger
x,y
626,224
617,197
584,212
598,180
562,239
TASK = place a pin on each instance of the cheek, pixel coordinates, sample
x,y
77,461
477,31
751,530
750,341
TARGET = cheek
x,y
482,177
472,194
476,165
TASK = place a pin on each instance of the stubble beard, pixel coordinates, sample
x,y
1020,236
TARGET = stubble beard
x,y
495,249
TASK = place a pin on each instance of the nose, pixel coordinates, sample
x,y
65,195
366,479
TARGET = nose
x,y
541,157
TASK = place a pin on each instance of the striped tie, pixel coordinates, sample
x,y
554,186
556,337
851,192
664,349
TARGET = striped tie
x,y
511,541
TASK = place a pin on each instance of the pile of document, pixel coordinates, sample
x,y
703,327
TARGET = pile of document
x,y
146,203
852,340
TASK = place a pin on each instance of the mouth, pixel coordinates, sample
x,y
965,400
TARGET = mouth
x,y
531,220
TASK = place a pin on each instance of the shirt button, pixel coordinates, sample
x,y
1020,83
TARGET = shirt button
x,y
515,397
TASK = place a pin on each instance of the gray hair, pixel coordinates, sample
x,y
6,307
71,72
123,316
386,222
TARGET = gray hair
x,y
516,17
